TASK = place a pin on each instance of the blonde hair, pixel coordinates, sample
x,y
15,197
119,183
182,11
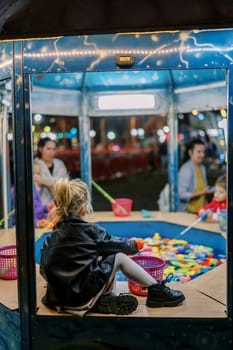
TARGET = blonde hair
x,y
221,181
72,197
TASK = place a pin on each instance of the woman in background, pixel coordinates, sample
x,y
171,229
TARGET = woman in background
x,y
52,169
193,186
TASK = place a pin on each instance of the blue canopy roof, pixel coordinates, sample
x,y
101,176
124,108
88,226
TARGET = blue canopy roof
x,y
130,79
61,93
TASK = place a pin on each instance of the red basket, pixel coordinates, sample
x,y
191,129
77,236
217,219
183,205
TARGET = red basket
x,y
8,269
154,266
122,206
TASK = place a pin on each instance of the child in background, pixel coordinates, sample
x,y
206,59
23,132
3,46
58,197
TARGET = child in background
x,y
218,202
41,212
79,260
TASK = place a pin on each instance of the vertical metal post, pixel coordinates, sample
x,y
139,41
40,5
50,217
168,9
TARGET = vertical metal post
x,y
23,195
84,140
5,172
172,151
230,191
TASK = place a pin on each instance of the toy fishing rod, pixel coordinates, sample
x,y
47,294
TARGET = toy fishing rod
x,y
201,218
7,217
108,197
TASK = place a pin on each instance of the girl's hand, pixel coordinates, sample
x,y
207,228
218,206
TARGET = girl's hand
x,y
52,211
209,214
140,243
46,223
51,206
201,211
207,190
43,223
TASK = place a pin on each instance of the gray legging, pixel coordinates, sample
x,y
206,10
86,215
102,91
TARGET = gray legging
x,y
132,270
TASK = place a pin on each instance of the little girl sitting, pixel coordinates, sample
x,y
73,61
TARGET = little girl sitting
x,y
218,202
79,260
43,214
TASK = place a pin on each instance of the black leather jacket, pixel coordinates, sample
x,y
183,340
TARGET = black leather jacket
x,y
77,260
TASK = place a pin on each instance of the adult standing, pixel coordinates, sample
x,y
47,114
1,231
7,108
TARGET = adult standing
x,y
52,169
193,186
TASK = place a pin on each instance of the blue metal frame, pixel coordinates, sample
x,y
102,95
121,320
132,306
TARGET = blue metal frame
x,y
163,50
24,196
85,147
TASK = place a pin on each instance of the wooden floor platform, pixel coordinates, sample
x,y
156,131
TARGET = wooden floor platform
x,y
196,305
205,295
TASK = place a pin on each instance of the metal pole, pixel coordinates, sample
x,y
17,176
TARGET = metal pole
x,y
84,139
24,197
4,165
172,150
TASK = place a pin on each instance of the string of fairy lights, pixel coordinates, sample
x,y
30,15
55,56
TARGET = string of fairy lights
x,y
103,53
97,52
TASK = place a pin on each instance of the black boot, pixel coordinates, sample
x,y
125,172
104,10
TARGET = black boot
x,y
122,304
160,295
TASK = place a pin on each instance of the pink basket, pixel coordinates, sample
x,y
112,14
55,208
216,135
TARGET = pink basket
x,y
122,206
8,268
154,266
